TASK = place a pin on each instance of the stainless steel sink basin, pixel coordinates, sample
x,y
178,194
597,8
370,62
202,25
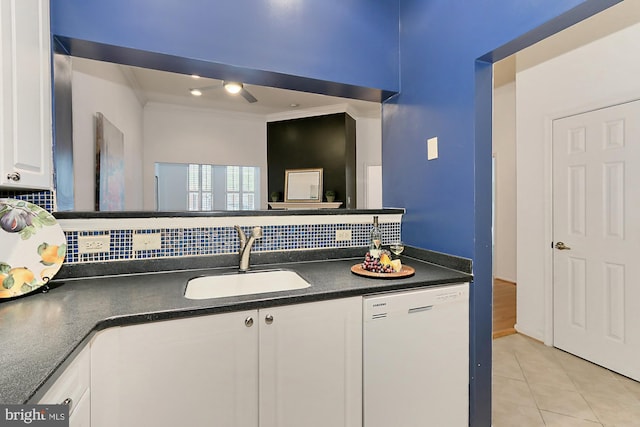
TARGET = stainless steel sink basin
x,y
254,282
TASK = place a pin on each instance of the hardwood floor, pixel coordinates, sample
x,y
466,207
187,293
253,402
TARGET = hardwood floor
x,y
504,308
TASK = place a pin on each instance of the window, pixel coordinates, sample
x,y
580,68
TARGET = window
x,y
241,187
198,187
200,180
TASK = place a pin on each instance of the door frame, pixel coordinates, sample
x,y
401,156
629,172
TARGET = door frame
x,y
592,105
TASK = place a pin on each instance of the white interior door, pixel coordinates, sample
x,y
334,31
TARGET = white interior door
x,y
596,215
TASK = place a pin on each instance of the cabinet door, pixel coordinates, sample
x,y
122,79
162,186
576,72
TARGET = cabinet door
x,y
72,386
25,95
311,364
81,416
199,371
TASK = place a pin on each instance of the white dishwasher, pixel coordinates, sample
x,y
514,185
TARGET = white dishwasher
x,y
416,358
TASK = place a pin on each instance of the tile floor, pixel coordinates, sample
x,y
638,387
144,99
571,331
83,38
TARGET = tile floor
x,y
535,385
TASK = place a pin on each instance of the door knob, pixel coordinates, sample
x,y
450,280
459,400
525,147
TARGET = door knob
x,y
561,246
268,319
248,322
14,176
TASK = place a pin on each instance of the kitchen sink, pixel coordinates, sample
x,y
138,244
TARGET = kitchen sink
x,y
253,282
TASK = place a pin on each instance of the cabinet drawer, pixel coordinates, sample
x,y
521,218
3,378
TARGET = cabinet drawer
x,y
73,382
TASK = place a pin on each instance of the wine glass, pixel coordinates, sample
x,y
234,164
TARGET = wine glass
x,y
397,247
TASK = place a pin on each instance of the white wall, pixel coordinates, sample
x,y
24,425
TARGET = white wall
x,y
368,153
596,75
175,134
504,150
104,89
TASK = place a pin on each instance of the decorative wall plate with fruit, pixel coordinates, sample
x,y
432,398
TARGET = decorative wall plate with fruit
x,y
32,247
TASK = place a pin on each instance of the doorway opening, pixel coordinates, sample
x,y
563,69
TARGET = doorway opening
x,y
567,377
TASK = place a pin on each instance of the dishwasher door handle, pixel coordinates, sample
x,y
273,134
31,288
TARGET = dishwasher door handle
x,y
420,309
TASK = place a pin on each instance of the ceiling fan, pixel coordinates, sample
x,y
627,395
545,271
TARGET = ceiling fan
x,y
231,87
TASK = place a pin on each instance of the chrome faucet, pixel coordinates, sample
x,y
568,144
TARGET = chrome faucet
x,y
245,245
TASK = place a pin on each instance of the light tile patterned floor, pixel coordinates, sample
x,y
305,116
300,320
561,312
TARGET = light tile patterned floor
x,y
535,385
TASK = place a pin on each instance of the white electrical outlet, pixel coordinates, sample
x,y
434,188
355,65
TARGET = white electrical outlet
x,y
94,244
146,241
343,235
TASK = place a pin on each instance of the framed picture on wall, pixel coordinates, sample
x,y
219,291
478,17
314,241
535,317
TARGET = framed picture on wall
x,y
109,166
303,185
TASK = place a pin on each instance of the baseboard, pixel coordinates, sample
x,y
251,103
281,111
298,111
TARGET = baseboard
x,y
528,334
508,282
504,333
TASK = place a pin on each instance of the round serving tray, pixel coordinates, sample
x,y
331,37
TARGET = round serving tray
x,y
32,248
405,271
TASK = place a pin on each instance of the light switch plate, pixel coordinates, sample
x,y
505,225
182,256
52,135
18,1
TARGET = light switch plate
x,y
432,148
146,241
94,244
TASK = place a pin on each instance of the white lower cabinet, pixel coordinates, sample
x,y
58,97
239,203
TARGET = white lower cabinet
x,y
199,371
81,416
311,365
73,388
298,365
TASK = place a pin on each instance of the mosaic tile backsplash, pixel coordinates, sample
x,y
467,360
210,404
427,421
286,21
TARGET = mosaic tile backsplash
x,y
45,199
178,242
217,240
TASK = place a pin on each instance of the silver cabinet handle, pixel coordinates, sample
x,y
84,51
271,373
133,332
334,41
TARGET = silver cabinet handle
x,y
248,322
68,402
14,176
268,319
561,246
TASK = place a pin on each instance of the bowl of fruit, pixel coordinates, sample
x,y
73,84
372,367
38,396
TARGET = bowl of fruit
x,y
382,267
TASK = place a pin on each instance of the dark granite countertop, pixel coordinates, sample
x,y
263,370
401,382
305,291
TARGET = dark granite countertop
x,y
39,333
264,212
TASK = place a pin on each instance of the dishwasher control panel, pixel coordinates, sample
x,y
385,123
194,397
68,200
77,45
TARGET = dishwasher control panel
x,y
412,301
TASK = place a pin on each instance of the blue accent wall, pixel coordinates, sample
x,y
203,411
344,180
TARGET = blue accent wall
x,y
446,52
351,42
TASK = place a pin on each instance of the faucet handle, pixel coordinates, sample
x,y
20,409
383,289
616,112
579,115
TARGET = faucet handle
x,y
256,232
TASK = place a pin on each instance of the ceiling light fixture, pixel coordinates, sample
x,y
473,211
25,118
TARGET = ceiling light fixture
x,y
232,87
195,76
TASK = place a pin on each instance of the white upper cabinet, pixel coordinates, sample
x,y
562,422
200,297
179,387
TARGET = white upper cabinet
x,y
25,95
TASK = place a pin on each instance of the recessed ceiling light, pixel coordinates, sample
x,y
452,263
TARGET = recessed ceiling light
x,y
294,105
195,76
233,87
195,92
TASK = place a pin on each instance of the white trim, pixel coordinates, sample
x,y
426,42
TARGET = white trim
x,y
353,111
548,230
309,112
98,224
163,106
